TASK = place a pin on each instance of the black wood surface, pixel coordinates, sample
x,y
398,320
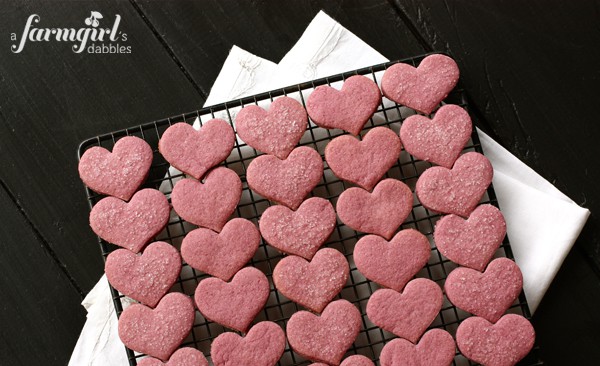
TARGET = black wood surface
x,y
52,99
530,67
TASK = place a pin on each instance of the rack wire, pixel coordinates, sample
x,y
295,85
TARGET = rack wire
x,y
358,289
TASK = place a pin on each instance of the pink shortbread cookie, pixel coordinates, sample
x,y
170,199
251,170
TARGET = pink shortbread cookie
x,y
409,313
300,232
276,131
379,212
436,348
157,332
347,109
263,345
457,190
208,204
421,88
471,242
233,304
500,344
221,254
286,181
487,294
119,173
354,360
193,151
363,162
312,284
147,277
182,357
439,140
324,338
392,264
132,224
357,360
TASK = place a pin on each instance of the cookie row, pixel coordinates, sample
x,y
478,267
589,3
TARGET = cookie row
x,y
483,287
132,224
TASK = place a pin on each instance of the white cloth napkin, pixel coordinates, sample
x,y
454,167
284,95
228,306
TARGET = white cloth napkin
x,y
542,222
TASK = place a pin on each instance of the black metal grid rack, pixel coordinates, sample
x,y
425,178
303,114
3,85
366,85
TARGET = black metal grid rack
x,y
278,309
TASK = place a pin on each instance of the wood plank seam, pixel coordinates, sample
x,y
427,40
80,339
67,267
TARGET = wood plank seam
x,y
169,50
411,27
45,244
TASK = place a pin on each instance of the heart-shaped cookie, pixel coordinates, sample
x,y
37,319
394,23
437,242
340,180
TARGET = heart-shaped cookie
x,y
186,356
500,344
439,140
208,204
363,162
421,88
347,109
276,131
471,242
147,277
300,232
379,212
170,322
119,173
457,190
488,294
131,224
312,284
193,151
324,338
436,348
354,360
392,264
409,313
286,181
263,345
233,304
221,254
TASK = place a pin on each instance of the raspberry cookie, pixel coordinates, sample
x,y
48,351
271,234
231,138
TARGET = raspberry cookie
x,y
170,322
312,284
276,131
147,277
392,264
324,338
263,345
500,344
457,190
355,360
233,304
221,254
208,204
363,162
286,181
300,232
195,152
379,212
347,109
439,140
471,242
488,294
182,357
421,88
119,173
409,313
435,348
131,224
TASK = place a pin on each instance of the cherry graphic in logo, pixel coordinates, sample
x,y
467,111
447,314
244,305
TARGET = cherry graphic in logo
x,y
93,19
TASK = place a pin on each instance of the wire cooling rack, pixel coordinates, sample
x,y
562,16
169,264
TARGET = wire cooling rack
x,y
358,289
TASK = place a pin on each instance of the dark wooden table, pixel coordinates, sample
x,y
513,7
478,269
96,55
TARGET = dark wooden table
x,y
531,68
